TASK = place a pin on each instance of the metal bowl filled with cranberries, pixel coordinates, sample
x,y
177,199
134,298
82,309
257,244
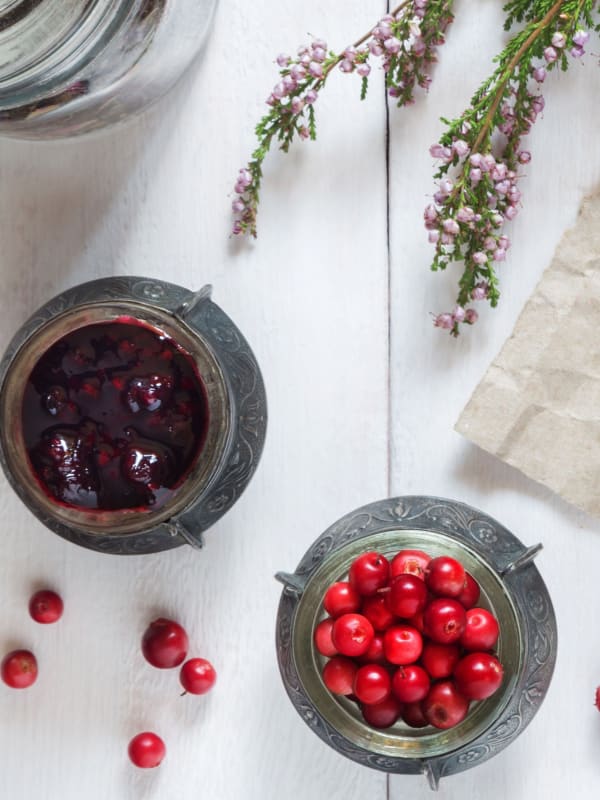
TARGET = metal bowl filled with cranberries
x,y
416,636
132,414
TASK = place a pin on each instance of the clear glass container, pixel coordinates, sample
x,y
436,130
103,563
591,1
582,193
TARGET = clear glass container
x,y
71,66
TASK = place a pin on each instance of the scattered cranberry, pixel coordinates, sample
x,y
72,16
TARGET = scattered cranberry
x,y
368,573
352,634
481,631
197,676
444,620
407,596
372,684
323,641
165,644
341,598
445,576
469,596
146,750
410,684
382,715
445,706
46,607
402,644
478,675
412,562
338,675
19,669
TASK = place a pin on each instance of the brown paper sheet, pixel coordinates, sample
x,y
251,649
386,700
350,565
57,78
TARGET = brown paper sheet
x,y
538,406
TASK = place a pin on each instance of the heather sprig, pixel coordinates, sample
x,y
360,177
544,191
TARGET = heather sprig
x,y
481,152
405,42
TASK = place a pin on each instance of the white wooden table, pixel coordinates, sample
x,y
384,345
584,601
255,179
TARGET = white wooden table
x,y
363,394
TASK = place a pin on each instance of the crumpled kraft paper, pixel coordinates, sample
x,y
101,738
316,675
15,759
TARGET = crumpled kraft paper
x,y
538,406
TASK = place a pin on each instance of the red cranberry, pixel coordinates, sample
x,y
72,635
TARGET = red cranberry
x,y
372,684
375,654
444,620
481,631
19,669
197,676
368,573
402,644
147,750
407,596
445,706
478,675
338,675
445,576
597,698
413,562
45,607
440,659
410,684
352,634
470,594
412,714
377,612
322,637
341,598
148,392
382,715
165,644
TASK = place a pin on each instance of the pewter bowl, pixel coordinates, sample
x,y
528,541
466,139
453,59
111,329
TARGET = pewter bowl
x,y
235,397
511,587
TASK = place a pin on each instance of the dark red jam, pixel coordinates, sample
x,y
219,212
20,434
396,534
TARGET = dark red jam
x,y
114,416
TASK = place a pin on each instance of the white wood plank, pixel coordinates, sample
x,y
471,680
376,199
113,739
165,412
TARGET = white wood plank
x,y
311,296
433,376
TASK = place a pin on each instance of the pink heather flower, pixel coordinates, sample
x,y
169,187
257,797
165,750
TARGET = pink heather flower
x,y
488,162
524,157
489,243
384,29
238,206
346,65
439,151
237,228
538,103
419,47
315,69
500,254
504,242
245,177
465,214
471,316
433,236
577,52
302,50
283,60
444,321
297,105
239,188
319,43
298,72
363,70
350,53
559,40
480,257
550,55
303,132
475,175
376,47
514,195
458,314
475,160
279,90
447,238
394,91
460,147
498,173
502,187
392,45
580,37
451,226
319,54
430,213
414,28
446,185
539,74
289,83
305,59
511,212
480,291
497,220
310,97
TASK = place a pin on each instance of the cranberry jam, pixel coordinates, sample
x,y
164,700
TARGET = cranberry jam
x,y
114,416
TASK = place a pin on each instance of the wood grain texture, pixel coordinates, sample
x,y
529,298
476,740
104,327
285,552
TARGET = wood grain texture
x,y
153,199
433,379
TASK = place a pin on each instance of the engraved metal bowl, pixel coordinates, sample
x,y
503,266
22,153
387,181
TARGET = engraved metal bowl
x,y
236,402
511,587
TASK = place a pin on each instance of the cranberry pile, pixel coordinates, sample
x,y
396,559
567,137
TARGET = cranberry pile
x,y
114,415
406,640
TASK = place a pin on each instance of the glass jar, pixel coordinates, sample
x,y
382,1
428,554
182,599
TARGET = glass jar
x,y
70,66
